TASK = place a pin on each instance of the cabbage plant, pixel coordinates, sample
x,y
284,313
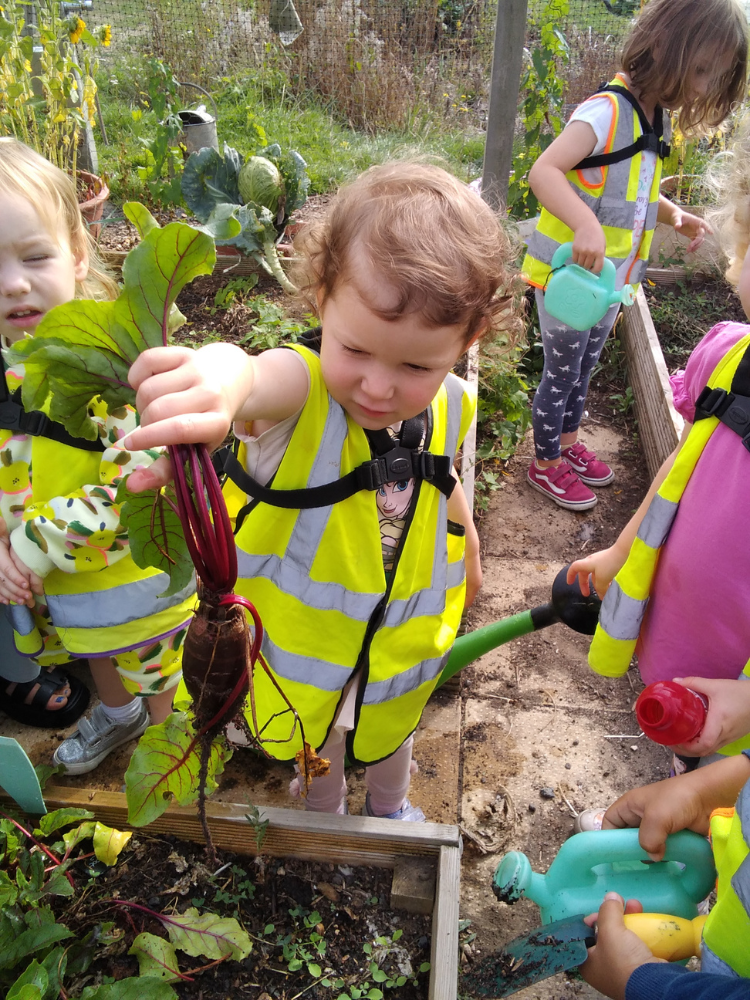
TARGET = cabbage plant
x,y
260,193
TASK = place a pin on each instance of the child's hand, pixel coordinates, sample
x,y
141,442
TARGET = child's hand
x,y
601,567
692,227
589,246
618,952
728,716
16,580
179,399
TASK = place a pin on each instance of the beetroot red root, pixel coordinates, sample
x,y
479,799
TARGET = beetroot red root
x,y
215,663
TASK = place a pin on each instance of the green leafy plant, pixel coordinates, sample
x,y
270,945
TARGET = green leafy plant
x,y
234,291
211,183
38,952
382,951
162,171
542,105
47,69
82,350
272,326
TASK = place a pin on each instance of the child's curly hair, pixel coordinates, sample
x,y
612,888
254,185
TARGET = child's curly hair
x,y
28,175
729,179
429,236
671,39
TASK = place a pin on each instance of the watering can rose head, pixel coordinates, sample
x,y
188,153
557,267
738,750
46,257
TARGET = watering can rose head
x,y
580,298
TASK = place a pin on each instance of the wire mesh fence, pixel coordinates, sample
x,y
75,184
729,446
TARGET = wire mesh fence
x,y
376,63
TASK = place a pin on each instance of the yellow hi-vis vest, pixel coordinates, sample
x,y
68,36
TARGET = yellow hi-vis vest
x,y
726,936
103,612
625,602
612,201
316,576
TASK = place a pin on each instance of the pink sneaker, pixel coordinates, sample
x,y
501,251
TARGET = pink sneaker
x,y
587,466
562,485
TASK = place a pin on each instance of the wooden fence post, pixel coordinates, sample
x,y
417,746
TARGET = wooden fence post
x,y
507,59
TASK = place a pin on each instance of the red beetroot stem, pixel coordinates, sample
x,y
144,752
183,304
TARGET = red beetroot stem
x,y
208,532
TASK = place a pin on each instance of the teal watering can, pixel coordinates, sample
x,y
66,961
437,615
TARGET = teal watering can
x,y
590,864
579,297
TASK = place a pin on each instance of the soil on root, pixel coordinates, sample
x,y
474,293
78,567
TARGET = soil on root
x,y
286,906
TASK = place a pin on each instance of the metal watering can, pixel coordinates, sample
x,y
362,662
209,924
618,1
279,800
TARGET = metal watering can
x,y
579,297
198,126
568,605
590,864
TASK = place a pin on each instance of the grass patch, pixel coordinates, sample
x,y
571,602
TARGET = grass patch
x,y
253,111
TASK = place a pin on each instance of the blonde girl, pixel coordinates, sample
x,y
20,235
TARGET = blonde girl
x,y
65,565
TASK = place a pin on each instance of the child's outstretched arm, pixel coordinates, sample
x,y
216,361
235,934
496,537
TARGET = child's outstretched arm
x,y
682,803
458,510
192,397
691,226
548,182
603,566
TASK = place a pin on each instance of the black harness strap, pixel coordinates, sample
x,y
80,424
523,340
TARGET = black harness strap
x,y
392,462
13,417
731,408
650,140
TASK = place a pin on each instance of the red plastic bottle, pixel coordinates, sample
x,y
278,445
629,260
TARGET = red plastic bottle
x,y
669,713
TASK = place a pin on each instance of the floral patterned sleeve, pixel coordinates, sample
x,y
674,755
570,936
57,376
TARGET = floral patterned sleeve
x,y
81,532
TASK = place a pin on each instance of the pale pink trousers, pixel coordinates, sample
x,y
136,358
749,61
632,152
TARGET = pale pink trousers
x,y
387,782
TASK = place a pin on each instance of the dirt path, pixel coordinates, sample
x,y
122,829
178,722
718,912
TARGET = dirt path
x,y
534,715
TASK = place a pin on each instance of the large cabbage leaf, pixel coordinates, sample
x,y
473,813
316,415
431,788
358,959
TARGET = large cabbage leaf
x,y
210,186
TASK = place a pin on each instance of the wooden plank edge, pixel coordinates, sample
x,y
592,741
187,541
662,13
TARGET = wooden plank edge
x,y
650,382
290,832
444,945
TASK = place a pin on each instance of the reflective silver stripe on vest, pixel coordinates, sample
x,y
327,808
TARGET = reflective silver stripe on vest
x,y
657,521
21,619
715,966
741,878
409,680
119,605
293,580
621,616
305,669
311,522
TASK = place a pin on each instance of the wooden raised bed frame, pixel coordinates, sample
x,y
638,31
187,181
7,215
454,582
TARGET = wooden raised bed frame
x,y
351,840
659,424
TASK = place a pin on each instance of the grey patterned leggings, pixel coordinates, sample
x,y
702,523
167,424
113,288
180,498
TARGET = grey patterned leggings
x,y
569,359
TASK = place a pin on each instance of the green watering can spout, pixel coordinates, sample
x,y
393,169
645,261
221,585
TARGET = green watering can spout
x,y
568,605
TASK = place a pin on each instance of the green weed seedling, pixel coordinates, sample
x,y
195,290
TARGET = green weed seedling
x,y
237,890
306,948
259,825
272,326
235,290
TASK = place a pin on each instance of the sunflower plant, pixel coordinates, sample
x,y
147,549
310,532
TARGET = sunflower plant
x,y
47,68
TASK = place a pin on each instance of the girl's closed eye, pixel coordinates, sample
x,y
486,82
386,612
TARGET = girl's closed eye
x,y
418,368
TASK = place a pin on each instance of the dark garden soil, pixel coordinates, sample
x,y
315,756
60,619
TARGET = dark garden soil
x,y
296,912
684,312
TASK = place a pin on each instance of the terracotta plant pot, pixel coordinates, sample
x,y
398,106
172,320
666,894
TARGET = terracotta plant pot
x,y
93,207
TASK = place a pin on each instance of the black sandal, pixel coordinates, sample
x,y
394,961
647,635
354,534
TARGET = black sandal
x,y
37,714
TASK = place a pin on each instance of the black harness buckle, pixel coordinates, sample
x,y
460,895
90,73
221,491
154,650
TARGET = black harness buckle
x,y
709,402
33,422
731,408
